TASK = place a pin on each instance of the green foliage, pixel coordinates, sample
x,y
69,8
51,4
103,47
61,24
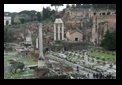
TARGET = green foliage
x,y
39,16
48,14
109,41
106,56
8,34
26,45
27,61
22,20
19,75
17,20
29,15
67,6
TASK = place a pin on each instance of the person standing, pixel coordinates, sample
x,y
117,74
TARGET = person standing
x,y
93,75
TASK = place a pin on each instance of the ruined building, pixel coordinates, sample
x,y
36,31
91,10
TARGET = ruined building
x,y
93,23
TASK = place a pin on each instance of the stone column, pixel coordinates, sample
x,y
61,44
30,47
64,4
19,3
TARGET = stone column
x,y
58,31
54,31
86,58
40,41
62,31
37,42
41,62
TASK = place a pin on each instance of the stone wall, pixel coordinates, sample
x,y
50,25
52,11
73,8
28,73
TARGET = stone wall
x,y
75,45
102,23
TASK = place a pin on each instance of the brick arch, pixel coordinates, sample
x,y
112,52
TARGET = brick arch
x,y
108,13
103,13
7,21
95,13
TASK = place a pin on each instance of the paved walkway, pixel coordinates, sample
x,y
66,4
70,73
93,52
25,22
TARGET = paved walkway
x,y
82,69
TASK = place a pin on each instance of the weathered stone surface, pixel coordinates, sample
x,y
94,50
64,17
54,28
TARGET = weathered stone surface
x,y
41,72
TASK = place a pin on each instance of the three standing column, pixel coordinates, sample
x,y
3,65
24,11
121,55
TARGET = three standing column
x,y
58,29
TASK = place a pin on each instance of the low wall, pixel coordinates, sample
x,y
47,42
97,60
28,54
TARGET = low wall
x,y
74,46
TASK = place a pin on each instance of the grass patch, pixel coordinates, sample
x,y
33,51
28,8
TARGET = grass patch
x,y
7,57
23,59
28,61
19,75
106,56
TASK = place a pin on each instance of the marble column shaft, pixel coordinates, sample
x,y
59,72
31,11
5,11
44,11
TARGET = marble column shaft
x,y
58,31
37,42
40,41
62,31
54,31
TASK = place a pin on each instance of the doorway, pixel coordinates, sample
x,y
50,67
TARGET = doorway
x,y
76,39
7,22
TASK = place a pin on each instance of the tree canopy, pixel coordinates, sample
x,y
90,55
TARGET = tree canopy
x,y
109,40
67,6
8,34
17,20
38,16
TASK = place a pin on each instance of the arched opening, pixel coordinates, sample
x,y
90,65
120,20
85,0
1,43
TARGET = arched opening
x,y
47,49
103,13
94,13
7,22
108,13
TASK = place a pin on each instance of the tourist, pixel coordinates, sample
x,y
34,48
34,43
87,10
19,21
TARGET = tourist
x,y
100,75
88,75
93,75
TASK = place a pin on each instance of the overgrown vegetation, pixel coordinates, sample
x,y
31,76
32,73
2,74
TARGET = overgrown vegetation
x,y
26,60
109,41
105,55
8,34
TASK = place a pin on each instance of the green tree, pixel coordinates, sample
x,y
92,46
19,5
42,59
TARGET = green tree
x,y
8,34
109,41
67,6
47,14
22,20
39,16
17,20
56,6
5,34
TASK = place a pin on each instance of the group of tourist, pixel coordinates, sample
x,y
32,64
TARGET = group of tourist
x,y
102,76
